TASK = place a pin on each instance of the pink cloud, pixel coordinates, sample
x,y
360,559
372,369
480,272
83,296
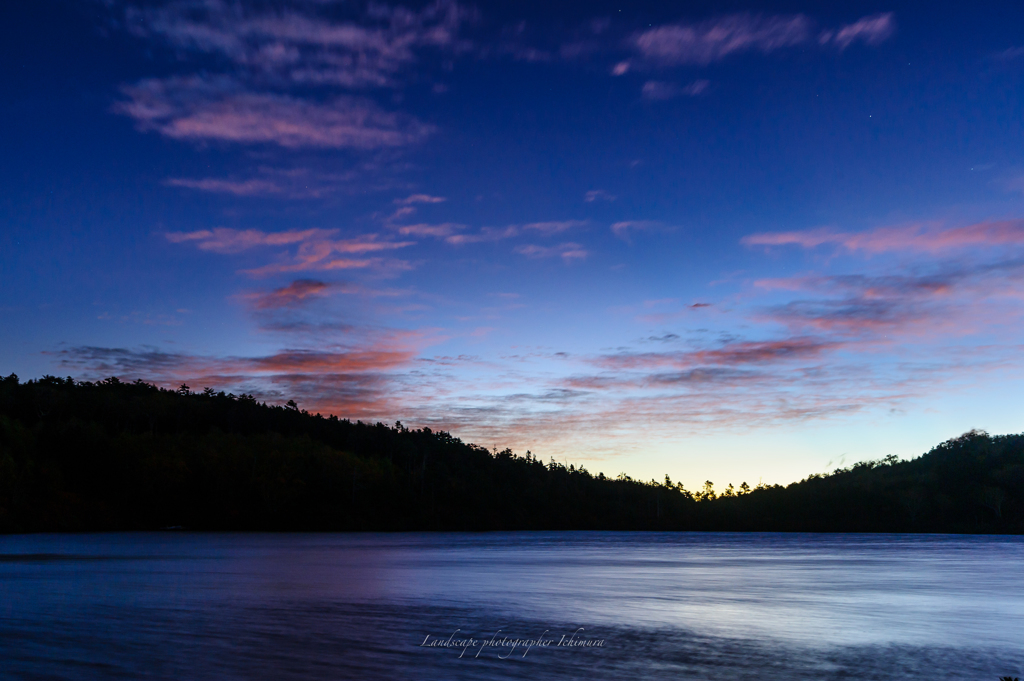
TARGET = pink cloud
x,y
315,361
621,69
225,240
915,238
291,295
952,301
316,251
351,382
198,110
319,257
733,354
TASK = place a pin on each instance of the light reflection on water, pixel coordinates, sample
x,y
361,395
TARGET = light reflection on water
x,y
335,606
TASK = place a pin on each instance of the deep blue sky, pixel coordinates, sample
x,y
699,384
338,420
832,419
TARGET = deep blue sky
x,y
722,241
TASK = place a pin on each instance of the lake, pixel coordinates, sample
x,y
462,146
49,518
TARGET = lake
x,y
557,605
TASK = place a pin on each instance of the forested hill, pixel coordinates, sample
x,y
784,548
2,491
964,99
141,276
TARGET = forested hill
x,y
119,456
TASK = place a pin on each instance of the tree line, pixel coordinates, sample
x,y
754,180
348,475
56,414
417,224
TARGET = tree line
x,y
111,455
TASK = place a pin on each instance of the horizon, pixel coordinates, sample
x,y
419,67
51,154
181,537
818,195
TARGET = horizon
x,y
769,240
708,485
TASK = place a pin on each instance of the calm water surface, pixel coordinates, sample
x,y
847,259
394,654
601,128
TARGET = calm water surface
x,y
360,606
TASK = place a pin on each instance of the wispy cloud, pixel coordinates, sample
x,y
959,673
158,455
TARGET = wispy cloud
x,y
709,41
871,30
312,42
715,39
295,293
198,109
317,250
321,258
1010,53
420,198
457,234
567,251
225,240
952,300
732,354
598,195
353,382
626,228
554,227
486,234
250,187
915,238
291,183
654,90
438,231
292,77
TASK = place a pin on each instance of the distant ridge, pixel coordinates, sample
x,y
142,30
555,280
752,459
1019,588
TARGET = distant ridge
x,y
82,456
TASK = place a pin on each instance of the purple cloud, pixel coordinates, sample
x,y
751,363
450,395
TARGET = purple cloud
x,y
195,109
250,187
715,39
871,30
709,41
305,42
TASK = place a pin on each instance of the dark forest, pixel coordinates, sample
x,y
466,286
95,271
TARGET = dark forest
x,y
110,455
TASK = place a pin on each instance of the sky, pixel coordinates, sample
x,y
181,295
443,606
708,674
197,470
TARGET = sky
x,y
718,241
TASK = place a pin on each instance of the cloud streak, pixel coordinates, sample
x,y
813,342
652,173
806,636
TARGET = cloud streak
x,y
709,41
420,198
291,183
872,30
457,235
913,238
569,252
731,355
706,42
351,382
316,249
225,240
305,42
250,187
554,227
292,295
203,110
